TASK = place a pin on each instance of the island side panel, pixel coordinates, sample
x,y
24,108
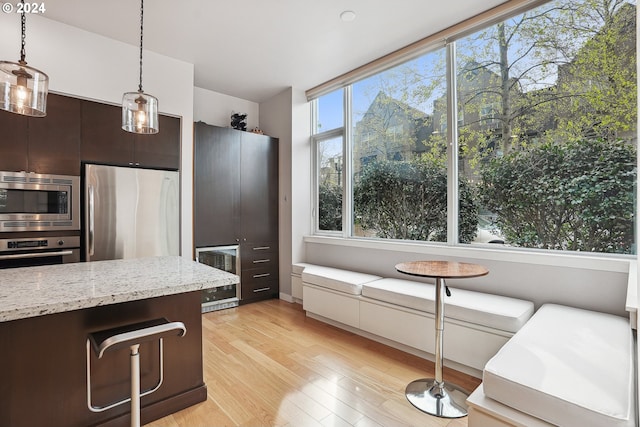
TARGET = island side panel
x,y
43,365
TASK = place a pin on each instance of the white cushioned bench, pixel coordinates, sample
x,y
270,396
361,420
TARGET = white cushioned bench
x,y
493,311
333,293
565,367
401,312
349,282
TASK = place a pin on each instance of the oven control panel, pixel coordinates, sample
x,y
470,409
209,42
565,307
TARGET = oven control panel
x,y
39,243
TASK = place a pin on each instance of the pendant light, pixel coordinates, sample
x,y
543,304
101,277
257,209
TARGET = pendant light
x,y
23,89
140,110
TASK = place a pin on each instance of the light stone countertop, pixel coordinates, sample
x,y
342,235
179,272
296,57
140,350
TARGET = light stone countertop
x,y
36,291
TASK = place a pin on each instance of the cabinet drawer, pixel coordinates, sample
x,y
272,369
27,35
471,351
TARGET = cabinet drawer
x,y
259,256
259,283
259,289
260,275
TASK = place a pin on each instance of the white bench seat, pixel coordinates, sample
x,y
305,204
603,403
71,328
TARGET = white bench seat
x,y
568,367
349,282
493,311
401,313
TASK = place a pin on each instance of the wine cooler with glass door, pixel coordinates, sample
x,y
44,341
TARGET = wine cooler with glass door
x,y
226,258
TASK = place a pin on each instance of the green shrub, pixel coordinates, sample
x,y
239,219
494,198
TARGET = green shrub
x,y
571,196
408,200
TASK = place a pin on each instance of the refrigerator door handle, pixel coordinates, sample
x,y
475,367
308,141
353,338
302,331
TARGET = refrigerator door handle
x,y
91,221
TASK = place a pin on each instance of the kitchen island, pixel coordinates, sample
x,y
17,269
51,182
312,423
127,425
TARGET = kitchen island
x,y
46,314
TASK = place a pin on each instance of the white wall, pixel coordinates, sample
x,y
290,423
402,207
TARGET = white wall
x,y
216,108
90,66
275,119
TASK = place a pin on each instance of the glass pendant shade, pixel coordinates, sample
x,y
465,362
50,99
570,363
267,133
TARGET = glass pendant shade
x,y
140,113
23,90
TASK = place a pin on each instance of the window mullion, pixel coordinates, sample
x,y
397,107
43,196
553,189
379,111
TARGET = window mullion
x,y
347,156
452,147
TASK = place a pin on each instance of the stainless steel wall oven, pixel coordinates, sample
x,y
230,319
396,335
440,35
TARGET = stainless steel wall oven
x,y
39,250
39,202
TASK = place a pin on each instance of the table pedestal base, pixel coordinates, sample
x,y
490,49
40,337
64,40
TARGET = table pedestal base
x,y
443,400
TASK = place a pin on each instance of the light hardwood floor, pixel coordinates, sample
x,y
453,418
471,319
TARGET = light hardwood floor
x,y
267,364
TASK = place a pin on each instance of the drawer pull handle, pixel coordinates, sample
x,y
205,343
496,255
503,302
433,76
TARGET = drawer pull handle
x,y
262,248
260,290
256,276
260,261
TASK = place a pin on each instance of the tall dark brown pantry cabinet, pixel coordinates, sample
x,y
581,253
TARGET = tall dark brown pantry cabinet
x,y
236,202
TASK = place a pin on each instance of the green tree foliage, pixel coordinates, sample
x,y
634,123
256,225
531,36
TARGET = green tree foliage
x,y
408,200
566,68
577,195
330,206
598,89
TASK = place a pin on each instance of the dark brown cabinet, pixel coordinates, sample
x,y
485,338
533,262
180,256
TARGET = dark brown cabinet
x,y
161,150
236,202
13,143
216,186
54,140
49,144
76,130
104,141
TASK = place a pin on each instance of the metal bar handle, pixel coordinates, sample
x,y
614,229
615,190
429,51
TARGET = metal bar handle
x,y
257,276
36,255
261,248
92,246
259,261
261,290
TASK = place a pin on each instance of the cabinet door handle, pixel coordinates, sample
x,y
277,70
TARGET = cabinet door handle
x,y
262,248
257,276
260,261
91,215
261,290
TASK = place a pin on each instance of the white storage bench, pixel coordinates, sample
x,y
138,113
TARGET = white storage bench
x,y
398,311
565,367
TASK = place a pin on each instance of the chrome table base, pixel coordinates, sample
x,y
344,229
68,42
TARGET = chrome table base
x,y
433,395
442,400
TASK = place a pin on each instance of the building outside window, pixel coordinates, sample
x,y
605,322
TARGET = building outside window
x,y
543,155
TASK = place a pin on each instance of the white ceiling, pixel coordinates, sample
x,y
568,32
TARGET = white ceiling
x,y
254,49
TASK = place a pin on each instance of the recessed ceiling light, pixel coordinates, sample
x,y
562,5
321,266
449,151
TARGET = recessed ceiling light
x,y
348,15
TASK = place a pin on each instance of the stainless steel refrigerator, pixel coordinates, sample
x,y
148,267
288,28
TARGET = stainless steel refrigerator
x,y
130,212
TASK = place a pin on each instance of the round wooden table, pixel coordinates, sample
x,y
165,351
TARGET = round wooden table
x,y
432,395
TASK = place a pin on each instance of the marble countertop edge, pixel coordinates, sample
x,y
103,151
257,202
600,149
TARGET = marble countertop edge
x,y
69,287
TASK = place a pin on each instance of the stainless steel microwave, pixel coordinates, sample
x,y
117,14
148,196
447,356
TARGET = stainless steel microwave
x,y
39,202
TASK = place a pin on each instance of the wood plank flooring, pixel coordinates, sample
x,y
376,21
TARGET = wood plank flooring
x,y
267,364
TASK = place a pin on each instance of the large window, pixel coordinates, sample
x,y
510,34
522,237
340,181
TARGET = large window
x,y
543,154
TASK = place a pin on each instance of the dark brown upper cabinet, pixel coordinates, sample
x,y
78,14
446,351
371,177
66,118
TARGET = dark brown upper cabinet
x,y
49,144
236,186
104,141
216,185
54,140
76,130
160,150
13,142
259,187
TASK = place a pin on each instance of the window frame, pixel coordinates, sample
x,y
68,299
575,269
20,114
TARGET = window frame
x,y
420,48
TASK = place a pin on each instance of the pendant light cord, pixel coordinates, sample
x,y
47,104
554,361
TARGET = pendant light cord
x,y
141,33
24,37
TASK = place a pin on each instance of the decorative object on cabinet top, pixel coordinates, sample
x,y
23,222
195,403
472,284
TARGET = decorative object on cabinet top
x,y
239,121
